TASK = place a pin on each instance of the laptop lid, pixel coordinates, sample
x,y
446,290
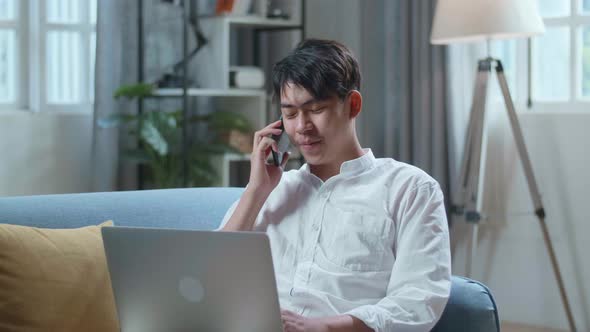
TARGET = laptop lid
x,y
184,280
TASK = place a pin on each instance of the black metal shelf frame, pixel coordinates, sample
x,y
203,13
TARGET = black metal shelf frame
x,y
185,96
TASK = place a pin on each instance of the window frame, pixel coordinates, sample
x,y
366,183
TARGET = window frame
x,y
31,39
576,102
20,27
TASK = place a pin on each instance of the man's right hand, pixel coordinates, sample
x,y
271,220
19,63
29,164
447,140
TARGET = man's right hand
x,y
264,177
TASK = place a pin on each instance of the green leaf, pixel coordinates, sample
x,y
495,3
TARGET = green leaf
x,y
226,121
171,122
167,119
198,118
139,90
163,119
151,135
177,115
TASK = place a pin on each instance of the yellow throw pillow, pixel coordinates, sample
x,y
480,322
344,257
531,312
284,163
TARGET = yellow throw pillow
x,y
55,280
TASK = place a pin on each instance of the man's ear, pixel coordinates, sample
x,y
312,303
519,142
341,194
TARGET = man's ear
x,y
356,103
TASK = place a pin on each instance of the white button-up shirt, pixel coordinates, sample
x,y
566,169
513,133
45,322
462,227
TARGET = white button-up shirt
x,y
371,242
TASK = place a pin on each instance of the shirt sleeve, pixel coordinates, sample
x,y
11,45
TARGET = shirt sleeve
x,y
420,282
228,215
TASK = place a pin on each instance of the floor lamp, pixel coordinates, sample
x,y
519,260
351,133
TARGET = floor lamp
x,y
477,20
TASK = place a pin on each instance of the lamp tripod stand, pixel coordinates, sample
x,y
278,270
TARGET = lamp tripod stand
x,y
469,192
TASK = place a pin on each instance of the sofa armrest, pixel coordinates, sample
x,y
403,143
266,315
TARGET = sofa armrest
x,y
471,308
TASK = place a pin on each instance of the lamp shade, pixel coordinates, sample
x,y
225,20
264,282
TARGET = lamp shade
x,y
472,20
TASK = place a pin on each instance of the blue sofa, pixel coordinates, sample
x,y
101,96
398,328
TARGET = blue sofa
x,y
471,306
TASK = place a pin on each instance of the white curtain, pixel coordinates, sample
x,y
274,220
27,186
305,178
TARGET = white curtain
x,y
461,68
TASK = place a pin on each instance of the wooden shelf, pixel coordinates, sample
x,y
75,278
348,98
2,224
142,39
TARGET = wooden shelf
x,y
256,21
177,92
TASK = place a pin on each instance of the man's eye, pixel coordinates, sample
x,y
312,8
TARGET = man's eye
x,y
318,110
290,115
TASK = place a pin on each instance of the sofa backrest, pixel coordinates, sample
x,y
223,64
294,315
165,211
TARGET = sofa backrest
x,y
192,208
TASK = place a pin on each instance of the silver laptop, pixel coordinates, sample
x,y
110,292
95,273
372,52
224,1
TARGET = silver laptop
x,y
180,280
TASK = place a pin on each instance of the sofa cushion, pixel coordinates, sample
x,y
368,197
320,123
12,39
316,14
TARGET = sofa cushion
x,y
54,280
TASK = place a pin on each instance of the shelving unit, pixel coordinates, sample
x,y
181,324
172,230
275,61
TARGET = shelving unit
x,y
213,67
214,60
238,164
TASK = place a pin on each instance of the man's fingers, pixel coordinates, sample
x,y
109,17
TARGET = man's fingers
x,y
259,135
275,124
289,328
290,321
287,315
263,148
266,143
271,129
287,312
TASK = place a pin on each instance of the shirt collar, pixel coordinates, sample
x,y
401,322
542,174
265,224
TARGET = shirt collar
x,y
354,166
358,165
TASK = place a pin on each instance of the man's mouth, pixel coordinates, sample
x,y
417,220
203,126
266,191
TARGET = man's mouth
x,y
306,145
308,142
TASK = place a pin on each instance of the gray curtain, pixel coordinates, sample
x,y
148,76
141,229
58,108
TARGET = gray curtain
x,y
116,64
407,78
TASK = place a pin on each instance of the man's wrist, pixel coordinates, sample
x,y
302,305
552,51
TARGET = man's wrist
x,y
343,323
257,192
320,324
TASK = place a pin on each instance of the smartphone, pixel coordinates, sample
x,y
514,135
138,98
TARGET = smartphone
x,y
283,144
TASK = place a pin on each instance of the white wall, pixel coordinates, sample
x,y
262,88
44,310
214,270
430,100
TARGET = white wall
x,y
512,258
44,153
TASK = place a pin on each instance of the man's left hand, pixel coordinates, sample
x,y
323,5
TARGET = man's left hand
x,y
293,322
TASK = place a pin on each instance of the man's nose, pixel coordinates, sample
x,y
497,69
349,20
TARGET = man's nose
x,y
303,123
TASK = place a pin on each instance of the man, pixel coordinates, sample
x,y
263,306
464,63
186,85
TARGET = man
x,y
358,243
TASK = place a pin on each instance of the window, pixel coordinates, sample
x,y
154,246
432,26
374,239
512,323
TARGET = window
x,y
8,52
47,52
561,57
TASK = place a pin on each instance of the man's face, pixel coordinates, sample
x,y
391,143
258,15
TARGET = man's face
x,y
321,129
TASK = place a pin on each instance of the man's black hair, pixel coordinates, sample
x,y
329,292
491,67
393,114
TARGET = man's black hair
x,y
325,68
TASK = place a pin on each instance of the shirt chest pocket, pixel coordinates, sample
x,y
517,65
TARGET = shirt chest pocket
x,y
356,241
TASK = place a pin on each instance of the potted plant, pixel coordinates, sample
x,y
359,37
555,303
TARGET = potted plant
x,y
159,134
